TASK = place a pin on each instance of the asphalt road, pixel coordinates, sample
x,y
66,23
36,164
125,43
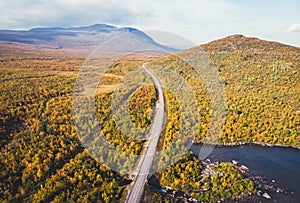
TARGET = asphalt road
x,y
145,164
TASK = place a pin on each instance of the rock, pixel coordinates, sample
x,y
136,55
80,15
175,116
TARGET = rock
x,y
243,167
235,162
266,195
259,193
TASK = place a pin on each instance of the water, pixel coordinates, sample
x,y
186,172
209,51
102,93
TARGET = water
x,y
279,164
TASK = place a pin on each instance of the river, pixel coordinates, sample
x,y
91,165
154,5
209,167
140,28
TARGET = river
x,y
277,165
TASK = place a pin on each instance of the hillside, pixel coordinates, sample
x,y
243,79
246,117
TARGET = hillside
x,y
261,82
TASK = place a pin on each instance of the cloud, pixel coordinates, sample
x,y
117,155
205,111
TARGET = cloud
x,y
294,28
26,14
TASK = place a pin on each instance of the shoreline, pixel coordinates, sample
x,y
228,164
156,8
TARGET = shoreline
x,y
237,144
267,187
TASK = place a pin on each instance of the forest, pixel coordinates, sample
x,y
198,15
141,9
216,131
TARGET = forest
x,y
42,157
206,182
261,81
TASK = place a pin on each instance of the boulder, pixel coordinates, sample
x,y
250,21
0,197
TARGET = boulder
x,y
266,195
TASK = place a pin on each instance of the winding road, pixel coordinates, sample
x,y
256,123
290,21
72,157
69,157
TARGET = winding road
x,y
136,193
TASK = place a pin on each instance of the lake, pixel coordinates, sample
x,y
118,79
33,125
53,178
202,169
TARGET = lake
x,y
278,165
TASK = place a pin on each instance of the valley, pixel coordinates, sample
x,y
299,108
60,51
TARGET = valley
x,y
42,156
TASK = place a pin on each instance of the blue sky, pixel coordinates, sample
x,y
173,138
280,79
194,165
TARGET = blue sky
x,y
196,20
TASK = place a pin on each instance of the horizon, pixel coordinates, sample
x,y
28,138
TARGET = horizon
x,y
198,21
154,35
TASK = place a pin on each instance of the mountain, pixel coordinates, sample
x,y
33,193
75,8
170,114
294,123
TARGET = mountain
x,y
85,37
95,27
261,80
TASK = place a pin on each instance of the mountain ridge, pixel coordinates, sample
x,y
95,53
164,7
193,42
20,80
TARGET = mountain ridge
x,y
242,41
83,37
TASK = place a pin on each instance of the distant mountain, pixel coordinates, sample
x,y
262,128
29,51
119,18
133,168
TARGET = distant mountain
x,y
95,28
85,37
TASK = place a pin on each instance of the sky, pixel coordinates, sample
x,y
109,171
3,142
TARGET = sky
x,y
196,20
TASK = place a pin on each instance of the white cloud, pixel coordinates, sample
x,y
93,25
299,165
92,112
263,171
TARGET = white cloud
x,y
294,28
140,12
27,14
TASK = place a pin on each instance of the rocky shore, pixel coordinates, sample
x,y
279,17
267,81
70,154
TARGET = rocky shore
x,y
208,170
264,189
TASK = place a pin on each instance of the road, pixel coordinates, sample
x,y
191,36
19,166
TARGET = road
x,y
145,164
